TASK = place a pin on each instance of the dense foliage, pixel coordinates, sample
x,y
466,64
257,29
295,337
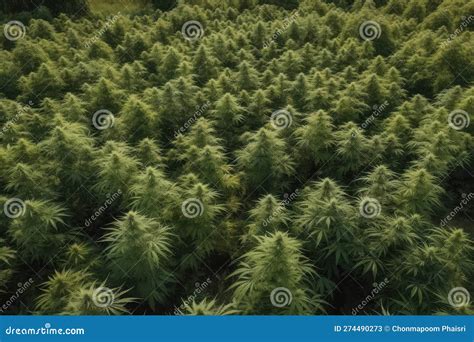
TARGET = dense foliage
x,y
239,157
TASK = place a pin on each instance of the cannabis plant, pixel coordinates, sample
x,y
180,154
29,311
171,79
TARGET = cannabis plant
x,y
139,250
276,263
